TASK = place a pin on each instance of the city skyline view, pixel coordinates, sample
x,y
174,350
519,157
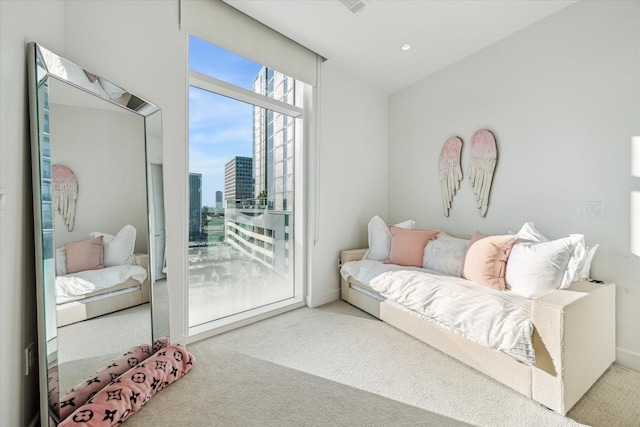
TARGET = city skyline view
x,y
240,254
220,128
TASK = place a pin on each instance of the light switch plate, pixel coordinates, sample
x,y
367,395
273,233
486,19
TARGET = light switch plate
x,y
593,209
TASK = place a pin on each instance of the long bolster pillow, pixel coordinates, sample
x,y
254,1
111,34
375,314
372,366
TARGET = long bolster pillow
x,y
129,392
88,388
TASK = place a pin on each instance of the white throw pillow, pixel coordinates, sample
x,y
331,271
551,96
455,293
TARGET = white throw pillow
x,y
380,238
61,261
584,271
529,232
445,255
535,268
118,249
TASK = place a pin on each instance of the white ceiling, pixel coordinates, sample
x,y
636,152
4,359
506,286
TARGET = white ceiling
x,y
367,44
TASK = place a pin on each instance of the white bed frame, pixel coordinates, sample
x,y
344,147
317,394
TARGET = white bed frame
x,y
574,340
87,310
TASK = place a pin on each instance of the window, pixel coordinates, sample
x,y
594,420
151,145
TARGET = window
x,y
245,131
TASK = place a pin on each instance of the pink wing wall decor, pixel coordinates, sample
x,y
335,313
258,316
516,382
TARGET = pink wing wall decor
x,y
484,155
65,193
450,170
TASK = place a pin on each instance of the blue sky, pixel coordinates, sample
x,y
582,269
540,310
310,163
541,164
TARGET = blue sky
x,y
220,128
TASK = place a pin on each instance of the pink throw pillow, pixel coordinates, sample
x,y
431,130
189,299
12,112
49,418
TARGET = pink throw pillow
x,y
407,246
84,391
85,255
485,261
129,392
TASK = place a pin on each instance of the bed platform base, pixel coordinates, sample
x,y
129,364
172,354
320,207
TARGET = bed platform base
x,y
574,340
84,311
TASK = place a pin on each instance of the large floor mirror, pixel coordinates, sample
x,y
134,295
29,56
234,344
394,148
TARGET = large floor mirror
x,y
99,225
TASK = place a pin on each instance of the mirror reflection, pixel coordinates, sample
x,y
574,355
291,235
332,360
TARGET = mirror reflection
x,y
99,225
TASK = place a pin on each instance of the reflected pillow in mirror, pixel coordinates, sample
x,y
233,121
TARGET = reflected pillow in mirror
x,y
61,261
85,255
118,249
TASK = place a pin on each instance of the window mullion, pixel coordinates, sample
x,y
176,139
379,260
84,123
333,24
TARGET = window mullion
x,y
223,88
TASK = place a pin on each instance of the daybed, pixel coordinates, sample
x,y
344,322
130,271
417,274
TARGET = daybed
x,y
572,329
106,276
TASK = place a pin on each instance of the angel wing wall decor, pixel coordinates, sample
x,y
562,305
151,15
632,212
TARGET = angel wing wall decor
x,y
65,193
484,155
450,170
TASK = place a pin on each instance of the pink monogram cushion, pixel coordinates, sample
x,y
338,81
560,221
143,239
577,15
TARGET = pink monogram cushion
x,y
407,246
129,392
85,255
84,391
485,261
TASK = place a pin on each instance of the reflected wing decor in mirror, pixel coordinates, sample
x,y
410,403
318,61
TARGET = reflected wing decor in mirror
x,y
100,245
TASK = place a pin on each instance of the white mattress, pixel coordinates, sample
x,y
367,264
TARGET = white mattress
x,y
71,287
495,319
98,297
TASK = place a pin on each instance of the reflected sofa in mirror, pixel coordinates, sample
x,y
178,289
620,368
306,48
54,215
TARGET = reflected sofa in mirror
x,y
99,224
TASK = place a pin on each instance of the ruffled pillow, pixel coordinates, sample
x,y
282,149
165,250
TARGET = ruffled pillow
x,y
485,261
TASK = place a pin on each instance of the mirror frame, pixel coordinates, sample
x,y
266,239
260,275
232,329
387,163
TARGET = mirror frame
x,y
42,65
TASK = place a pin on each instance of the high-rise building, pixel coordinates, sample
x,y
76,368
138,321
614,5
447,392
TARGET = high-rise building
x,y
238,181
263,229
195,205
218,199
273,140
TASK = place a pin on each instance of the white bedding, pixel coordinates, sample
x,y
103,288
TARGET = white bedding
x,y
71,287
494,319
366,269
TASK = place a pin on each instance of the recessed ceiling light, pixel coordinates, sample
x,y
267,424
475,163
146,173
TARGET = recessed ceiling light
x,y
405,47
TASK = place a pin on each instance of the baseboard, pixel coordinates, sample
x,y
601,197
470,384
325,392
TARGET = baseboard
x,y
211,329
317,301
628,359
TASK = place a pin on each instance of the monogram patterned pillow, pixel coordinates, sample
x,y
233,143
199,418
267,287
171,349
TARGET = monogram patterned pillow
x,y
129,392
88,388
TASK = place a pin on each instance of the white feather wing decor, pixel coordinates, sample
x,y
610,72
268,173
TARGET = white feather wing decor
x,y
450,170
484,155
65,193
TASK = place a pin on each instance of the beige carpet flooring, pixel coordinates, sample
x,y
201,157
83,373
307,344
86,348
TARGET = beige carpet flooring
x,y
337,366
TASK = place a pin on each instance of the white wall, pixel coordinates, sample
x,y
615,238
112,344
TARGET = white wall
x,y
20,22
105,150
352,174
135,44
562,98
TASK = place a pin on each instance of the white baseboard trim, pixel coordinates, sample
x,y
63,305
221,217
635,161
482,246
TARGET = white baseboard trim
x,y
628,359
316,301
211,329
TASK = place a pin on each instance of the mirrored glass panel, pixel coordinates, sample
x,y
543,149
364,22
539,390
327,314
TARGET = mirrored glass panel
x,y
99,225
